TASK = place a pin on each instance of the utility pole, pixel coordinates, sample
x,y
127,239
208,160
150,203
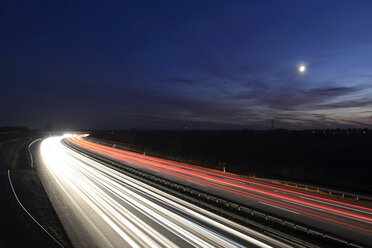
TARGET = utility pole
x,y
272,124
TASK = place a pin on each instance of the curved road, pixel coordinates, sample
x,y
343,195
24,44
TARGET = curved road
x,y
342,218
100,207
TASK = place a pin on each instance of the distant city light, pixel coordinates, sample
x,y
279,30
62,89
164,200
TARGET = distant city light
x,y
302,68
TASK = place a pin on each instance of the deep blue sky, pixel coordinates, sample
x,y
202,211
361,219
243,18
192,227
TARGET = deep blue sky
x,y
166,64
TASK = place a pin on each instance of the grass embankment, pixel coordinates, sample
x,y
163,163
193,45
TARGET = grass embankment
x,y
337,159
16,228
33,197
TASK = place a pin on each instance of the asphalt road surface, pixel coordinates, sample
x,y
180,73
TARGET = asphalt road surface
x,y
347,219
101,207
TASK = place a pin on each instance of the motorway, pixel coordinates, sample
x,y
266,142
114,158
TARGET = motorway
x,y
342,218
101,207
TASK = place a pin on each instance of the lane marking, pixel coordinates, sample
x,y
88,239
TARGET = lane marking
x,y
196,183
278,207
336,205
329,212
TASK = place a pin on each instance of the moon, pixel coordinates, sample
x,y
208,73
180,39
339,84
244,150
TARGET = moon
x,y
302,68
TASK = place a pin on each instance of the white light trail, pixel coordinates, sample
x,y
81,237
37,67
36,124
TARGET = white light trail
x,y
139,214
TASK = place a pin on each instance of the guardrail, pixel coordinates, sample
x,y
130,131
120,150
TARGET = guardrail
x,y
313,188
229,209
321,190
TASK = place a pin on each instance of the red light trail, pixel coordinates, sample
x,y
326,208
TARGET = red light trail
x,y
308,204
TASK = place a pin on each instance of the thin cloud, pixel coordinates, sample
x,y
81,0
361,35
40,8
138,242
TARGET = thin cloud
x,y
177,80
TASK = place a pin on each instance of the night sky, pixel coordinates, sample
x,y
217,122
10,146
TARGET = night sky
x,y
167,64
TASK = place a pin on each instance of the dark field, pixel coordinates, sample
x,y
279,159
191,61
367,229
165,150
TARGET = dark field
x,y
339,159
17,229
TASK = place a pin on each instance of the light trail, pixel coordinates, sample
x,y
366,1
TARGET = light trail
x,y
121,211
355,217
